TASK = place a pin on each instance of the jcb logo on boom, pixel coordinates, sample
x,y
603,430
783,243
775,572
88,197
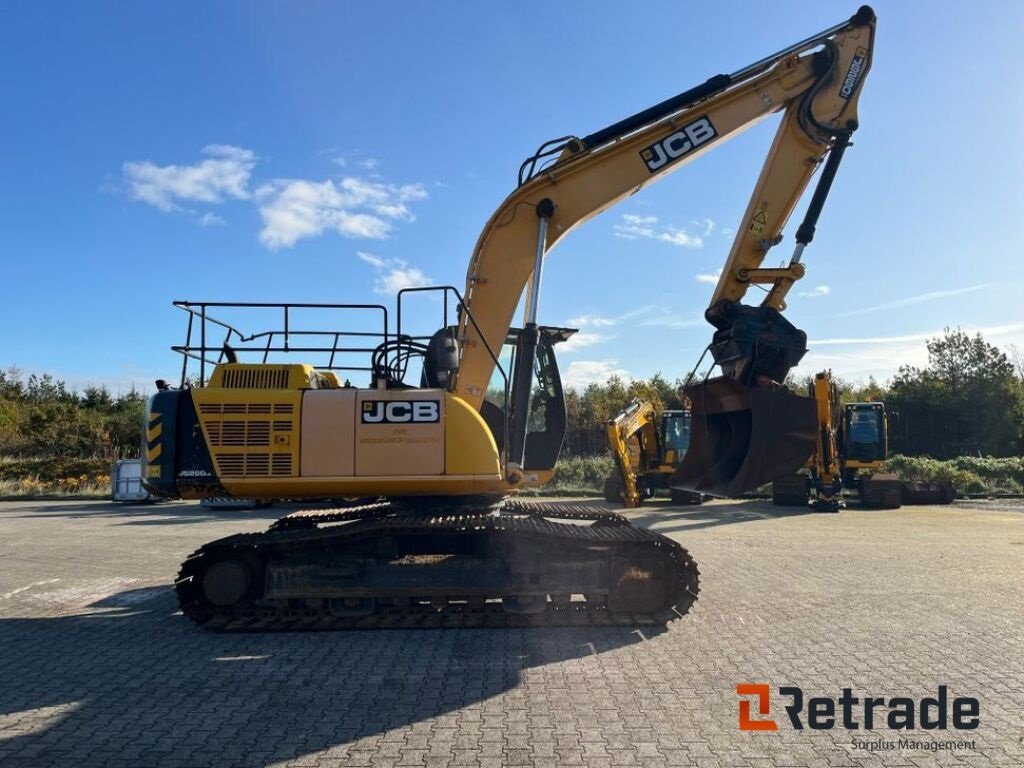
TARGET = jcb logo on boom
x,y
401,411
679,144
853,74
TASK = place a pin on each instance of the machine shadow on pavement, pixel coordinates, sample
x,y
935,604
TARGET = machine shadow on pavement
x,y
670,518
137,685
153,513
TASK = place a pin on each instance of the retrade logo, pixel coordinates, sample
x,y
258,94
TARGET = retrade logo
x,y
401,411
853,713
763,693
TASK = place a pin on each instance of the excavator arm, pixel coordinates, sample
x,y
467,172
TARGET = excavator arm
x,y
637,420
815,82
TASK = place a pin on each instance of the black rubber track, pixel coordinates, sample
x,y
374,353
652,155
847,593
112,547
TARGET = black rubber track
x,y
318,531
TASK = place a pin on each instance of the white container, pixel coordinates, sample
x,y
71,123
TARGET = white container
x,y
126,481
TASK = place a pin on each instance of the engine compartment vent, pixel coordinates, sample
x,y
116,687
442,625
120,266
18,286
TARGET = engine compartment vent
x,y
255,377
251,434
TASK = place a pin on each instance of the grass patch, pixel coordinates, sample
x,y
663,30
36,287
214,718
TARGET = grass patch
x,y
54,477
33,487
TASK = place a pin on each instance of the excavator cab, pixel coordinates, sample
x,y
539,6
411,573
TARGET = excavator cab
x,y
864,432
675,435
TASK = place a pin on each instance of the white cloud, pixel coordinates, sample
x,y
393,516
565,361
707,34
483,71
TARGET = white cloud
x,y
669,320
210,220
224,173
633,227
291,209
645,316
681,238
297,208
582,373
631,218
601,321
918,299
399,278
708,277
992,330
369,258
728,231
394,275
818,290
581,340
881,356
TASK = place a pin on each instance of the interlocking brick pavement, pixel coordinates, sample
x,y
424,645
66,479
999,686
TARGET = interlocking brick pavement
x,y
98,669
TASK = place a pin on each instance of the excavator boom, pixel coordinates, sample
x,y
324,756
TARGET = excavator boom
x,y
816,82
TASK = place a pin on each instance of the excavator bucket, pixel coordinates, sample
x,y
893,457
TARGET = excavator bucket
x,y
743,437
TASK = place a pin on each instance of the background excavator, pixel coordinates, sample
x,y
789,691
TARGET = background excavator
x,y
446,546
852,445
647,447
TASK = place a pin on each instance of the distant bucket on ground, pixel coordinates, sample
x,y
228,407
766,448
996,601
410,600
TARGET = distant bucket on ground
x,y
743,437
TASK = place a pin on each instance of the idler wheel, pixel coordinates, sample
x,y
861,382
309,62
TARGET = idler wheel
x,y
226,582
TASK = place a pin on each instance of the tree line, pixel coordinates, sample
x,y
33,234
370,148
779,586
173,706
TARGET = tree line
x,y
42,418
967,401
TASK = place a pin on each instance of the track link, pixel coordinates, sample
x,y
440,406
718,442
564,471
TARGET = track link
x,y
376,567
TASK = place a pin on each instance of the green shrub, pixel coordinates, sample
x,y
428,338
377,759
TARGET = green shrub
x,y
968,474
582,473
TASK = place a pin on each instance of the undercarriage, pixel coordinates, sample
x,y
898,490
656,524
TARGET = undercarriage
x,y
400,565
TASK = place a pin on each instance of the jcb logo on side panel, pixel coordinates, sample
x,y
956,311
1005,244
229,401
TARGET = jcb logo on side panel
x,y
401,411
679,144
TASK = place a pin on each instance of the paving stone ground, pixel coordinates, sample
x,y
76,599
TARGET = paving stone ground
x,y
98,669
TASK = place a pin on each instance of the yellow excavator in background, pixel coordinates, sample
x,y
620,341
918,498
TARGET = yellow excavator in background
x,y
647,448
443,544
852,446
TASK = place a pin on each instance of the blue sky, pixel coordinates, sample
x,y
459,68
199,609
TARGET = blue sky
x,y
228,151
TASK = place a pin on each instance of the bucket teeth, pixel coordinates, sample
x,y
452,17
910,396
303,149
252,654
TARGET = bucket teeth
x,y
743,437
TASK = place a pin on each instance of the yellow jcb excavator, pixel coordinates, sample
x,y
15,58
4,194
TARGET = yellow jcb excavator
x,y
444,545
852,445
647,448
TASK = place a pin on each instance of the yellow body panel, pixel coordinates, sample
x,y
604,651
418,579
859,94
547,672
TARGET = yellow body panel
x,y
334,487
469,447
328,442
250,432
400,432
299,441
